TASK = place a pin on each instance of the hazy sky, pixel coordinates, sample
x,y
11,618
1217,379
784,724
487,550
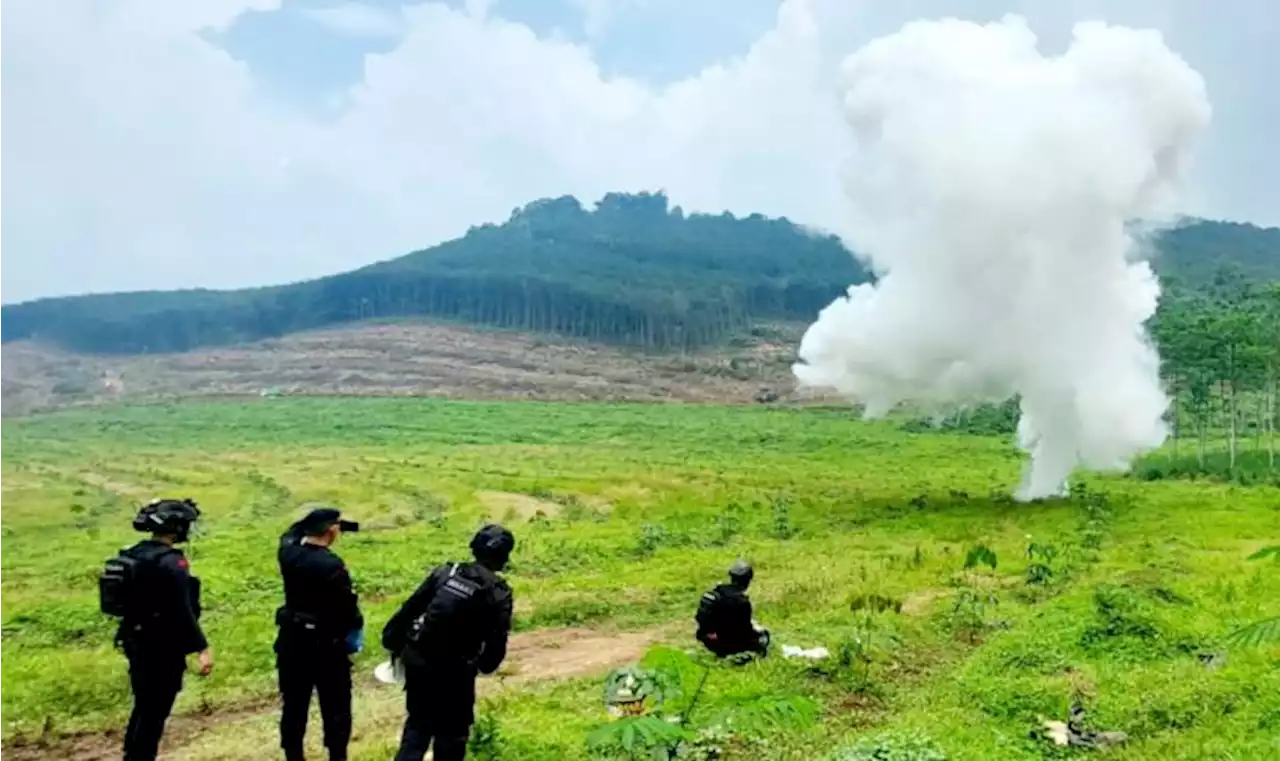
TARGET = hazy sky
x,y
218,143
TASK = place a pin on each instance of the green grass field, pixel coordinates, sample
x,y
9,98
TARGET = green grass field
x,y
643,507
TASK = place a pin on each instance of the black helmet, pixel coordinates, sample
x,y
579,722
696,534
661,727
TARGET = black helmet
x,y
741,573
492,545
171,517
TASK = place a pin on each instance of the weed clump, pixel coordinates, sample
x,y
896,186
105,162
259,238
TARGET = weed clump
x,y
891,746
1126,625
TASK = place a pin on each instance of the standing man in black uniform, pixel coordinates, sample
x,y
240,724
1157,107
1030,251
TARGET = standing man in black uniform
x,y
724,618
320,625
150,586
454,626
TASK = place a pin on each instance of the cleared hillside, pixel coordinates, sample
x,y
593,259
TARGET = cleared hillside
x,y
413,359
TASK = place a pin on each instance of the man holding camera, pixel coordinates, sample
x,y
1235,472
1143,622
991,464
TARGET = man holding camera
x,y
320,626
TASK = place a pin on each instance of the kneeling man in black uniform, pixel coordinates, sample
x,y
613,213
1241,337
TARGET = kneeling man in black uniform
x,y
724,617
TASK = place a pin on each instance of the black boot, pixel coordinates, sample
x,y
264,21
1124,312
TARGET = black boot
x,y
294,754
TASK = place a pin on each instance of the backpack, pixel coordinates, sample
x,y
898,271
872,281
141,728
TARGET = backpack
x,y
451,624
708,611
116,584
121,581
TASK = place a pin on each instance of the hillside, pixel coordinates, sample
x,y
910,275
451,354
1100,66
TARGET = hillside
x,y
1197,255
632,271
411,358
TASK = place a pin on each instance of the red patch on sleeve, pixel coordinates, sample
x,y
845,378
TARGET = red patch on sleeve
x,y
182,563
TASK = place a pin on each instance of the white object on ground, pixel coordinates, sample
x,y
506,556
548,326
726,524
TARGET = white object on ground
x,y
389,672
813,653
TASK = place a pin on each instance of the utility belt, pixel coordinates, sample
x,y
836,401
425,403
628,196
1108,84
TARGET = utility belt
x,y
295,623
440,652
144,636
138,626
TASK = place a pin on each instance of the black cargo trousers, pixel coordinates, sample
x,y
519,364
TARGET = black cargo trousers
x,y
325,671
155,678
440,708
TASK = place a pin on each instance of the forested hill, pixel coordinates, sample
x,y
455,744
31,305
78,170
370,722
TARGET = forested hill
x,y
633,270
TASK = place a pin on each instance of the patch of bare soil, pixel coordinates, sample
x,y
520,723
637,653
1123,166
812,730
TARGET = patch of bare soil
x,y
542,655
549,654
415,359
102,746
116,486
506,506
919,603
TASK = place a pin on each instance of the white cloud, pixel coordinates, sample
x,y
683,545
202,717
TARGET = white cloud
x,y
598,15
141,155
357,20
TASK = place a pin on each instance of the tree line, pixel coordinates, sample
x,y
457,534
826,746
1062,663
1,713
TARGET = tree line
x,y
1220,360
1219,350
633,270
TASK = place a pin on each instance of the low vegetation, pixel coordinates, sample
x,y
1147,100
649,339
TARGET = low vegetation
x,y
957,621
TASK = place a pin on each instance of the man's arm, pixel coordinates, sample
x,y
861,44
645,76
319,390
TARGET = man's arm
x,y
345,601
396,631
495,644
187,633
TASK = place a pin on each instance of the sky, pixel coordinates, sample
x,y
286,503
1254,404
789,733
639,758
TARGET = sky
x,y
226,143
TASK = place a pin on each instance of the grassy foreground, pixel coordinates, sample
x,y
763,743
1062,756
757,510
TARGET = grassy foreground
x,y
642,507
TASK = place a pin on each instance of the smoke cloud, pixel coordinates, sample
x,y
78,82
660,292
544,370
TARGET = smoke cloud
x,y
990,191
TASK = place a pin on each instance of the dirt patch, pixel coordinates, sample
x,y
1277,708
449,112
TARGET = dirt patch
x,y
536,656
569,653
104,746
919,603
107,483
502,505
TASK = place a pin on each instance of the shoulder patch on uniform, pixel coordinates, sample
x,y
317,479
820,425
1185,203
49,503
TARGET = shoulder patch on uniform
x,y
183,563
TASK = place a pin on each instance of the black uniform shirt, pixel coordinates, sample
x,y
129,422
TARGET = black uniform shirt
x,y
317,585
166,620
726,611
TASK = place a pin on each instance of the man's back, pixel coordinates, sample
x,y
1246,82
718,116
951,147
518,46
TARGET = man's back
x,y
318,594
458,619
724,609
164,606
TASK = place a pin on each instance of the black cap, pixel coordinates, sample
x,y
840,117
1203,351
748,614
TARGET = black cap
x,y
320,519
493,543
741,572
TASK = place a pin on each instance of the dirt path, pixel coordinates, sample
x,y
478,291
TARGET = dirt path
x,y
543,655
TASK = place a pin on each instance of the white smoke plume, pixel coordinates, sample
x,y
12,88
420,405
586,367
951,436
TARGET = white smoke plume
x,y
989,191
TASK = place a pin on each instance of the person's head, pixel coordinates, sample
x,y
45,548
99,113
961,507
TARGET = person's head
x,y
323,525
740,574
167,520
492,546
